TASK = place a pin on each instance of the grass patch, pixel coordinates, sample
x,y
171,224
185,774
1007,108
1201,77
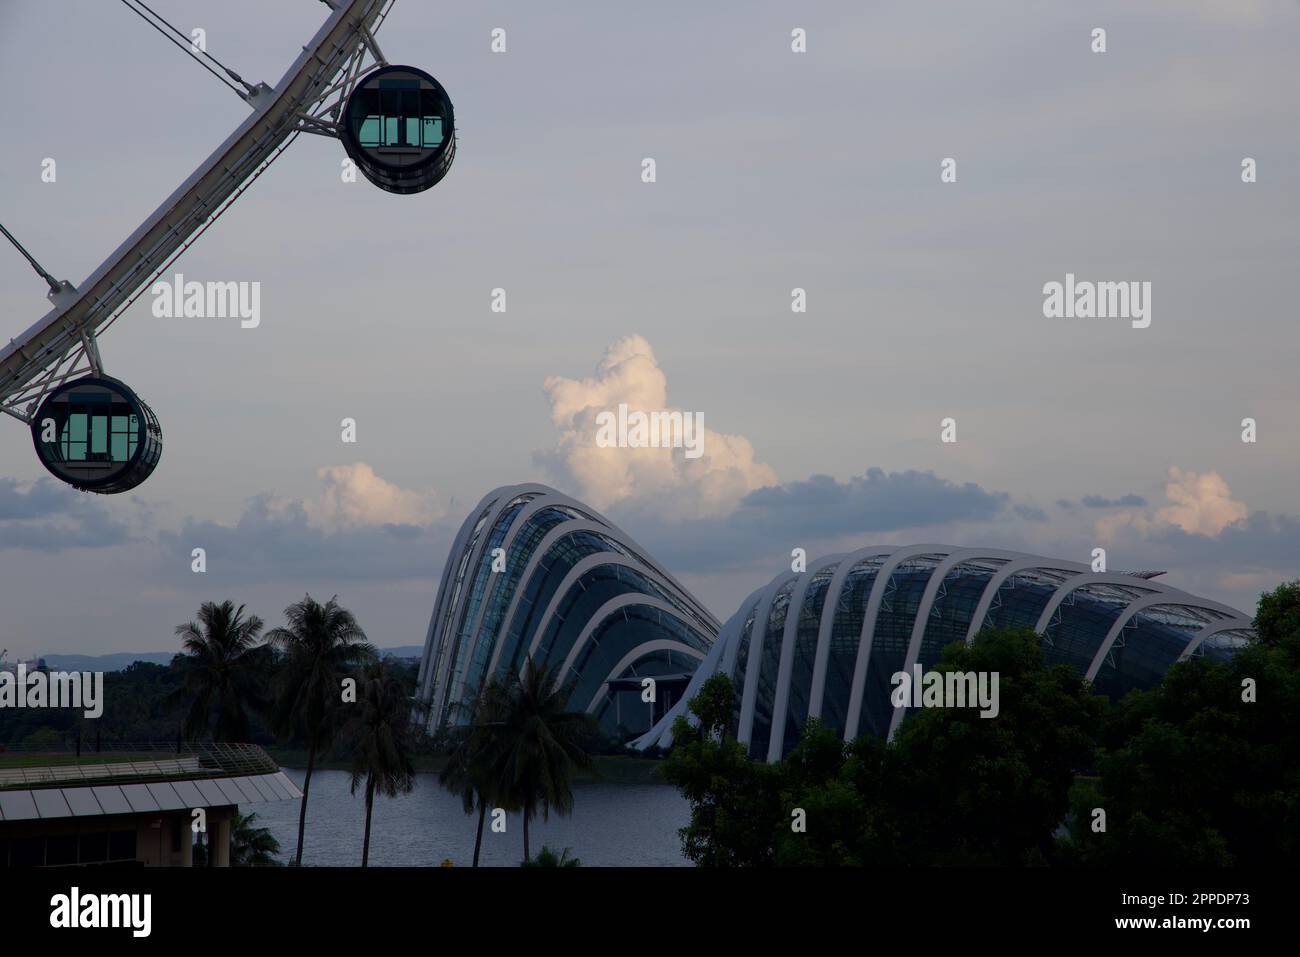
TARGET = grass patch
x,y
297,759
621,769
606,769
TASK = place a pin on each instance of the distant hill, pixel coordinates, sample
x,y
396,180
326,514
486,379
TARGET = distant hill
x,y
115,662
122,660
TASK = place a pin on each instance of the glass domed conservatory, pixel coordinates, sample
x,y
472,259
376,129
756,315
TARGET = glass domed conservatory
x,y
826,642
533,573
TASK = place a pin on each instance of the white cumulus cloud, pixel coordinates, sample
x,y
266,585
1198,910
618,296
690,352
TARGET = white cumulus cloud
x,y
711,485
353,496
1200,503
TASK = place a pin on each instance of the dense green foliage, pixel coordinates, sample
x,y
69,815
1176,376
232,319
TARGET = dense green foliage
x,y
951,788
1202,769
138,706
1277,617
735,802
547,857
1193,772
250,845
968,789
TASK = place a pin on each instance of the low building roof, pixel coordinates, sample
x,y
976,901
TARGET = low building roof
x,y
92,800
139,779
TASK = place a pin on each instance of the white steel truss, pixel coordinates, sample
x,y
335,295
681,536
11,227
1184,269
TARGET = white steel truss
x,y
308,99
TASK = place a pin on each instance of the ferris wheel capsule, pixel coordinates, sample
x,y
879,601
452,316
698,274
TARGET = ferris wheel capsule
x,y
399,128
97,435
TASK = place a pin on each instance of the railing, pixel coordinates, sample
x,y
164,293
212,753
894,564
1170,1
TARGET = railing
x,y
130,764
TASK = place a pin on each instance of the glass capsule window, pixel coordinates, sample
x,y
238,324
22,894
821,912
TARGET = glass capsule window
x,y
396,113
94,431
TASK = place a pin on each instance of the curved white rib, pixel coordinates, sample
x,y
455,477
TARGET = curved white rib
x,y
720,659
1008,571
603,613
1146,602
825,630
732,649
1071,585
640,651
563,530
449,608
757,636
596,560
1237,624
456,613
424,679
785,667
594,522
923,613
531,508
869,628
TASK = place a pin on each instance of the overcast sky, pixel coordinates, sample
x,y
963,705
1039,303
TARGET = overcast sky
x,y
775,170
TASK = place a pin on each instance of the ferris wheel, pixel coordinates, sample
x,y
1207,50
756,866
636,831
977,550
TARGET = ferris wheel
x,y
397,126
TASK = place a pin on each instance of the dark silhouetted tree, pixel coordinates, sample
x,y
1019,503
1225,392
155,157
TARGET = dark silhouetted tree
x,y
321,645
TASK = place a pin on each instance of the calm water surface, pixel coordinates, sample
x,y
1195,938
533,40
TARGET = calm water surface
x,y
612,825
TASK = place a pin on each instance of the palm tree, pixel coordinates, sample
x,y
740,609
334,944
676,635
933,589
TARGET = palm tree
x,y
547,857
473,768
539,744
322,644
223,668
380,732
252,846
220,674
